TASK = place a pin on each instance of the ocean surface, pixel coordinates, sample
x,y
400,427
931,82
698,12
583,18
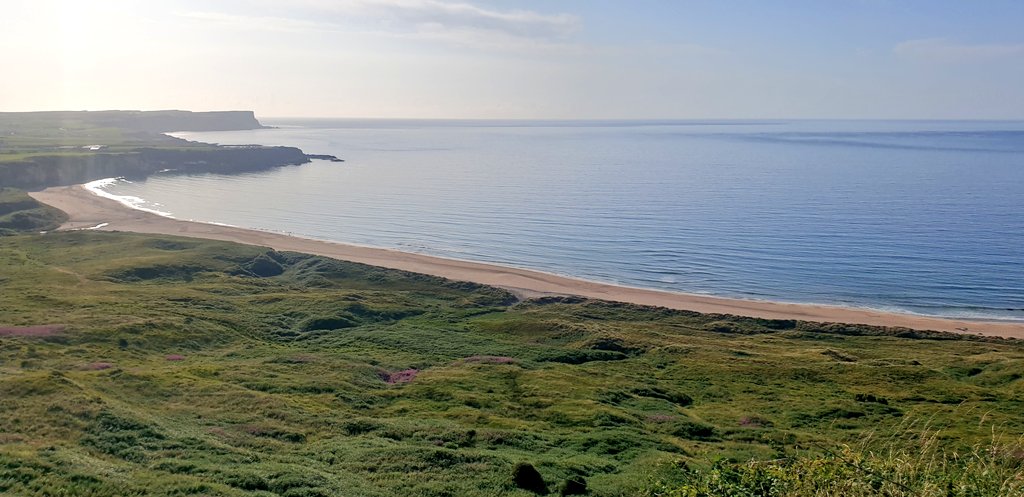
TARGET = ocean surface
x,y
924,217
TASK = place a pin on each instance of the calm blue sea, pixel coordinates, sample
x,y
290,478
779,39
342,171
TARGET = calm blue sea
x,y
918,216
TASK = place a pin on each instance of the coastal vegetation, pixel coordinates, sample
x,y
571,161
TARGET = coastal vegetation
x,y
41,149
151,365
21,213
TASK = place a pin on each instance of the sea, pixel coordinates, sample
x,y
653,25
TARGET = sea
x,y
922,217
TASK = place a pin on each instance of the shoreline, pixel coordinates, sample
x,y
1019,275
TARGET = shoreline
x,y
87,210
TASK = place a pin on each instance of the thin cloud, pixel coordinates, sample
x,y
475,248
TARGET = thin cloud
x,y
457,24
256,23
413,15
452,23
942,50
472,38
523,23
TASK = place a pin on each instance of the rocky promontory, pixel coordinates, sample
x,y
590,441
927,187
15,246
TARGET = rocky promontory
x,y
43,149
56,170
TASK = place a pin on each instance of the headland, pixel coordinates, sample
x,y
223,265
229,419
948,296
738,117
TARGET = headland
x,y
43,149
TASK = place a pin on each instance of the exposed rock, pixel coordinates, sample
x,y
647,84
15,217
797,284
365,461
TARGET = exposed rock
x,y
324,157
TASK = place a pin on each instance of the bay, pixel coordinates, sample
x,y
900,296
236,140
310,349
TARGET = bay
x,y
913,216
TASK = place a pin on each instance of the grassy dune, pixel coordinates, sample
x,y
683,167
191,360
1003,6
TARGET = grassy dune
x,y
137,365
22,213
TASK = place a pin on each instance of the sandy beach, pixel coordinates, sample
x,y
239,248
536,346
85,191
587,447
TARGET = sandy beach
x,y
86,210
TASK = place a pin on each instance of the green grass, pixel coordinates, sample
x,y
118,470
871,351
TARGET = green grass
x,y
28,136
189,367
21,213
924,468
25,136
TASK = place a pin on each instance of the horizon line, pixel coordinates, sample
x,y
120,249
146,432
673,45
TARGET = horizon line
x,y
547,119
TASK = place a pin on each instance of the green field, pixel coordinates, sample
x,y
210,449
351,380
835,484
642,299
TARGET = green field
x,y
140,365
25,136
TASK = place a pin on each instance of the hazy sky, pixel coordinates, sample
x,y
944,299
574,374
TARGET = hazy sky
x,y
519,59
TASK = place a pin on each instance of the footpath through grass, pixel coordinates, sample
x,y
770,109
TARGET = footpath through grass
x,y
139,365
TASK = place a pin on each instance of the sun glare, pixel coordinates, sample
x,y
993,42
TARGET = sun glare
x,y
82,34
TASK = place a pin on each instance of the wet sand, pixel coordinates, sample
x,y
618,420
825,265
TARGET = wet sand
x,y
87,210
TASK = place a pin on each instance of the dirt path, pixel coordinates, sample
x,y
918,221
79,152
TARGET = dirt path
x,y
81,279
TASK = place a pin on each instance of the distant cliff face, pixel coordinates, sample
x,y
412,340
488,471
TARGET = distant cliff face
x,y
45,171
160,121
176,120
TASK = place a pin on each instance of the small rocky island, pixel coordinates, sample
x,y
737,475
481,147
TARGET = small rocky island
x,y
324,157
43,149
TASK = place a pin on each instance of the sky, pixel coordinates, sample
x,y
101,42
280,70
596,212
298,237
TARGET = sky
x,y
530,59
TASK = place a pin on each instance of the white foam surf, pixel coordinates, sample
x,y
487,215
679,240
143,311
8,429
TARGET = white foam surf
x,y
98,188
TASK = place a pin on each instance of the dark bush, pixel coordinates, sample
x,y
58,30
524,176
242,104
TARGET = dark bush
x,y
583,356
575,485
359,426
172,245
867,397
263,266
247,481
692,430
180,272
337,322
677,398
615,345
297,484
526,477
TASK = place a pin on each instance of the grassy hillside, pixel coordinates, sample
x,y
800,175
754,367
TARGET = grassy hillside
x,y
135,365
22,213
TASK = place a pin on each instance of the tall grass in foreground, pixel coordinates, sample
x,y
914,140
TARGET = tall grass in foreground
x,y
135,365
913,462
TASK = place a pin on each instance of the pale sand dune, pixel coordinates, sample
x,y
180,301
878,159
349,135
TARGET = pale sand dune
x,y
87,210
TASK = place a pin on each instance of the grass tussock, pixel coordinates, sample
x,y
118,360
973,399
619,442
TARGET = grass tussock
x,y
912,463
